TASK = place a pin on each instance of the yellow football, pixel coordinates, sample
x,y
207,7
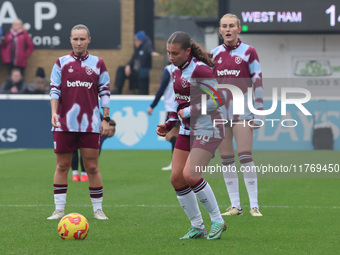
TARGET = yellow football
x,y
73,226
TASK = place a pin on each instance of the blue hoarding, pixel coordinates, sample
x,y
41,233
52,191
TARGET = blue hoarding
x,y
25,123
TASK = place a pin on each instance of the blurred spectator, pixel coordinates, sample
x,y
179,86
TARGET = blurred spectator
x,y
40,85
138,68
14,84
16,47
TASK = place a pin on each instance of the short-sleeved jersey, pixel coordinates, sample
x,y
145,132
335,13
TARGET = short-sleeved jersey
x,y
239,65
77,82
185,77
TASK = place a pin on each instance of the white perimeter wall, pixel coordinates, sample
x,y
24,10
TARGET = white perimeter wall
x,y
276,52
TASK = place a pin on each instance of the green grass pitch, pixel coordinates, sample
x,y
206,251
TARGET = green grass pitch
x,y
301,215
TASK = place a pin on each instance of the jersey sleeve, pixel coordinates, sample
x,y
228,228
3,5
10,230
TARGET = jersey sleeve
x,y
55,81
256,78
173,117
104,86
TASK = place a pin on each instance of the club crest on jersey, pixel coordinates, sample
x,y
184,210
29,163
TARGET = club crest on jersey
x,y
70,70
185,83
220,60
238,60
88,70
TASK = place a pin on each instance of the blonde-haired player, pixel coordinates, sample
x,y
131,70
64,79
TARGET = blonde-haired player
x,y
244,71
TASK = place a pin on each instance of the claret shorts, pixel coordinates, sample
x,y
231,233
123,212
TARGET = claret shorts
x,y
210,144
70,141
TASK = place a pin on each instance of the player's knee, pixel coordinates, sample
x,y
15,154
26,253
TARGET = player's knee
x,y
177,180
63,166
173,180
187,176
92,169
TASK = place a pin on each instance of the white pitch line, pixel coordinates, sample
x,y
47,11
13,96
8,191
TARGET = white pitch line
x,y
300,206
174,206
11,151
88,205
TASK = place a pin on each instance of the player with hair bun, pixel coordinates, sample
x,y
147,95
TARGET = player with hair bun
x,y
77,79
190,64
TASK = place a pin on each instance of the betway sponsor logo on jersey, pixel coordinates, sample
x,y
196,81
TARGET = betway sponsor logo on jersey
x,y
228,72
79,84
182,97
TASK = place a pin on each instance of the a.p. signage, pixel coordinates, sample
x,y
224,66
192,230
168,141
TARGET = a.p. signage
x,y
49,22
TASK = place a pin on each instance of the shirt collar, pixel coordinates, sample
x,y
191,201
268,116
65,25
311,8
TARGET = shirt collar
x,y
80,58
186,63
233,47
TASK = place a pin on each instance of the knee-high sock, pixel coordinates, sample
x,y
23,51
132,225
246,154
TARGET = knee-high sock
x,y
250,177
96,194
188,202
231,180
60,196
207,198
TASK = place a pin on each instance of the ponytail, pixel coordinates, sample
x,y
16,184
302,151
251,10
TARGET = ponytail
x,y
201,54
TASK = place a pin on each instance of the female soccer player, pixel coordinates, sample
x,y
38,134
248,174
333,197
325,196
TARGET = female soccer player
x,y
77,79
237,63
193,65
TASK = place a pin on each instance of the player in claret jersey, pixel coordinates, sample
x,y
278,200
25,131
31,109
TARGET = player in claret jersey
x,y
237,63
193,65
77,80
